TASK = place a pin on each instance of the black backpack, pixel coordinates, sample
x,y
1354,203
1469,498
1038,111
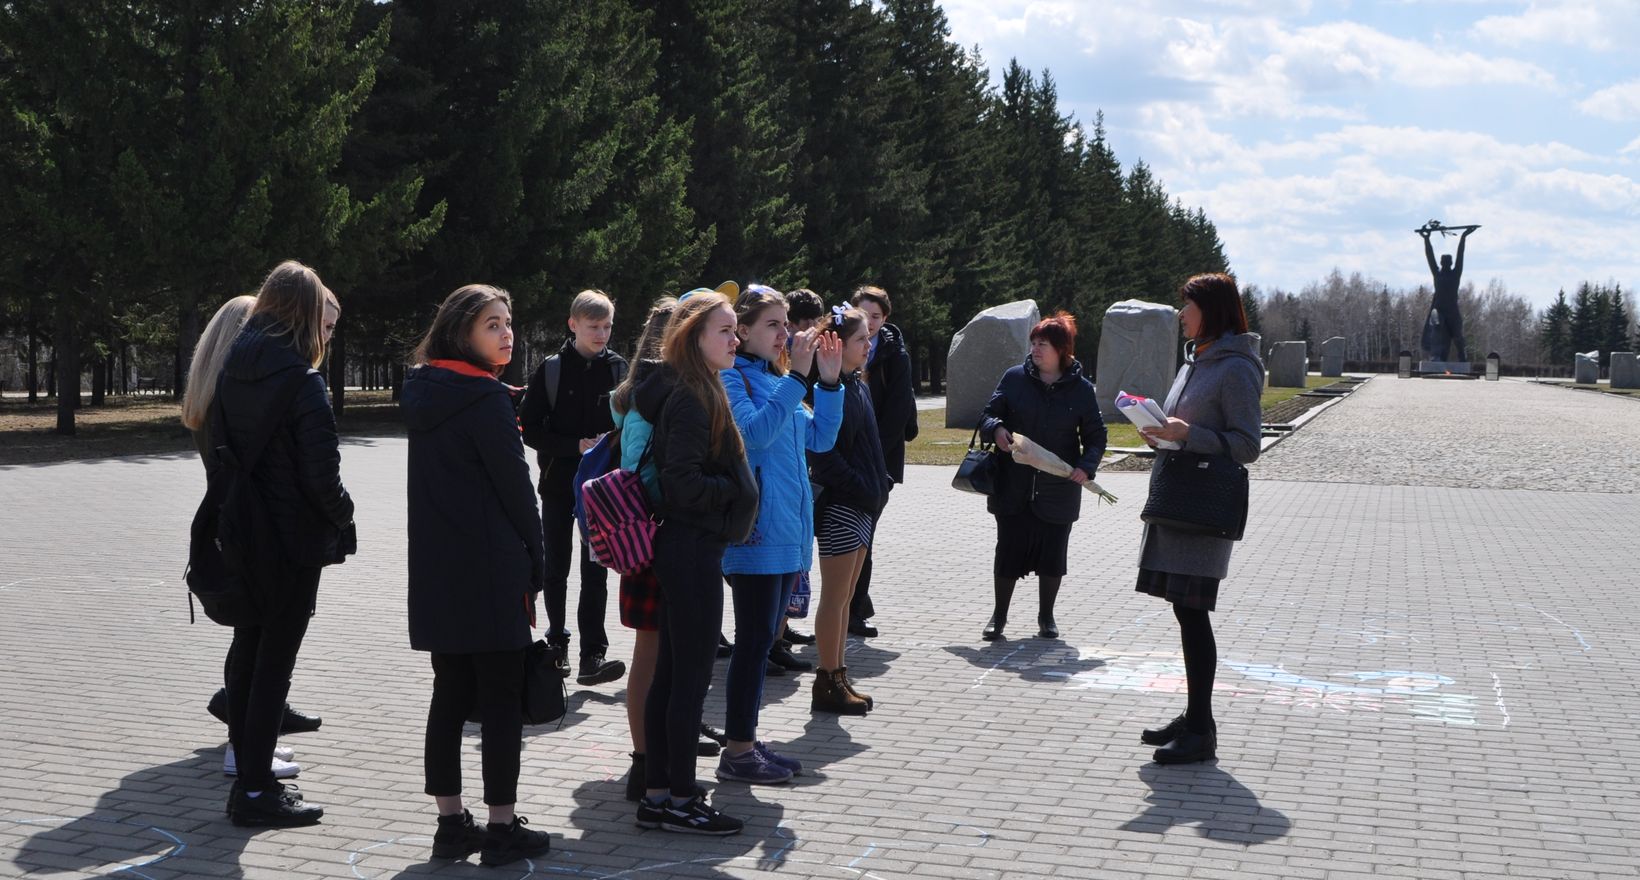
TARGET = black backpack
x,y
235,562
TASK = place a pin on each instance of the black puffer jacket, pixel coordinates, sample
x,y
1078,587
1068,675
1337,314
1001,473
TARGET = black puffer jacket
x,y
476,552
300,472
853,471
1062,418
706,491
893,399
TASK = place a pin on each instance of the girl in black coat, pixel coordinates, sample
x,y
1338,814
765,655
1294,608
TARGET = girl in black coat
x,y
854,483
476,562
1048,400
269,382
708,499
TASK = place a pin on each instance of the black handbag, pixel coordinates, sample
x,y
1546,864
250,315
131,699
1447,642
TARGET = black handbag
x,y
978,471
544,699
1199,494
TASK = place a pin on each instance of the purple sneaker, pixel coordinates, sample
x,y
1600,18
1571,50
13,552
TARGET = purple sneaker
x,y
751,767
777,759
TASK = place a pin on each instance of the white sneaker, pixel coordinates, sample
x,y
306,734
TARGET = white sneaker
x,y
283,766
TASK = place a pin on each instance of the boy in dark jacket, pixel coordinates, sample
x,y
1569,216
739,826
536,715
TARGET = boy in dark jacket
x,y
565,411
893,399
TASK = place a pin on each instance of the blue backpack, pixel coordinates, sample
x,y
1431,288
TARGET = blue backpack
x,y
603,457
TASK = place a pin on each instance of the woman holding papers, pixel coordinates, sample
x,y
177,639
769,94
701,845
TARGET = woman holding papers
x,y
1049,400
1212,409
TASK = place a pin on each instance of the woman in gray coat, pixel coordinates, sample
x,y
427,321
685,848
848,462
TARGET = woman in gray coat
x,y
1213,409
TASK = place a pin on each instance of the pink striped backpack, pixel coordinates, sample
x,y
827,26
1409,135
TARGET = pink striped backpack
x,y
620,526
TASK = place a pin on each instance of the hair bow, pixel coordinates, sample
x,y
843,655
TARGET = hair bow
x,y
837,314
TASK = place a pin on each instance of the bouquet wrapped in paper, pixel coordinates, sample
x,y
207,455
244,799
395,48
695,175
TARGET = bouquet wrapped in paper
x,y
1028,453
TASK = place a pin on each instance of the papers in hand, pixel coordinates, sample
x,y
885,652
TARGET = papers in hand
x,y
1028,453
1145,413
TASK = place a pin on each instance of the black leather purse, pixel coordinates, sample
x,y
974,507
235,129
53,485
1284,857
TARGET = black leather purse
x,y
1199,494
978,471
543,699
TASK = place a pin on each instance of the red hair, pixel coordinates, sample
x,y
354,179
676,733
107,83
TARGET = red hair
x,y
1059,331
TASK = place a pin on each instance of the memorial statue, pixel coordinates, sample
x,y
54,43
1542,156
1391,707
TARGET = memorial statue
x,y
1444,326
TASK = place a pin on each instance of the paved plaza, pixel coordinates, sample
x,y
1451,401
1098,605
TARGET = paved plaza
x,y
1428,650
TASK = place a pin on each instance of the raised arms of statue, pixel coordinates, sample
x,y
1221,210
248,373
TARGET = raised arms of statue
x,y
1457,262
1429,253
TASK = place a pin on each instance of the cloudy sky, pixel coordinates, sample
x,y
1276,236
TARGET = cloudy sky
x,y
1319,133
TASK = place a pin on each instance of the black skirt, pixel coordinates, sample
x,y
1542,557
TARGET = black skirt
x,y
1187,590
1026,544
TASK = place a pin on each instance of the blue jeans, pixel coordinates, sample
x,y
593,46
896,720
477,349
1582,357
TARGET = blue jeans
x,y
760,605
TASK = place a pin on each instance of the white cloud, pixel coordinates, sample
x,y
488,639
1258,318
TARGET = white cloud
x,y
1619,103
1632,147
1599,25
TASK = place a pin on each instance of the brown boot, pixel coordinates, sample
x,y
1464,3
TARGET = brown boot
x,y
831,694
842,675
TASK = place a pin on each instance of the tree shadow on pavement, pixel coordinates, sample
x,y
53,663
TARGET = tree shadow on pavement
x,y
1207,796
1041,660
160,822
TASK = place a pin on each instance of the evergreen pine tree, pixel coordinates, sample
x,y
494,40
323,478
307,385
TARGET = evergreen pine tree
x,y
1555,332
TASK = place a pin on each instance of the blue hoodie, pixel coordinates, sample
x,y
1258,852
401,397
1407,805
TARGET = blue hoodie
x,y
777,428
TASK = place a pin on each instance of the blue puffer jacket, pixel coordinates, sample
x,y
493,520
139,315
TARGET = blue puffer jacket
x,y
777,429
635,434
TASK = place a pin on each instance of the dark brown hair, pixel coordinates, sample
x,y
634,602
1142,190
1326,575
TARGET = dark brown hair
x,y
804,304
753,300
448,338
868,293
647,352
1059,331
1218,298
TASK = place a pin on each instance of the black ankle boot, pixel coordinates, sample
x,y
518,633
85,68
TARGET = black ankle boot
x,y
505,844
458,837
1189,748
1045,626
993,628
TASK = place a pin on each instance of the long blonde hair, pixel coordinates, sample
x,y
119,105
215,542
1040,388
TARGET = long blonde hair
x,y
294,297
680,349
210,353
649,349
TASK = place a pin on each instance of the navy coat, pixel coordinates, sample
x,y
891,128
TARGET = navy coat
x,y
476,555
1062,418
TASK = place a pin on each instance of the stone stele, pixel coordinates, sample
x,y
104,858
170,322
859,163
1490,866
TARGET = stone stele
x,y
1288,363
996,339
1625,370
1586,367
1138,353
1332,356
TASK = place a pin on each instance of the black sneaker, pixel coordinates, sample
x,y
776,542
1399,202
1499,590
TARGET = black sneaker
x,y
458,837
797,638
694,816
278,807
505,844
597,670
297,721
783,657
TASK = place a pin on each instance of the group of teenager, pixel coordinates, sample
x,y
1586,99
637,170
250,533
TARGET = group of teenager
x,y
761,426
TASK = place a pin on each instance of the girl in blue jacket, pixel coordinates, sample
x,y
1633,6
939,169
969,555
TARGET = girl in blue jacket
x,y
767,401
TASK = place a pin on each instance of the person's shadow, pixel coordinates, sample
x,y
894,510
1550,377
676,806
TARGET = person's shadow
x,y
1039,660
1207,796
160,822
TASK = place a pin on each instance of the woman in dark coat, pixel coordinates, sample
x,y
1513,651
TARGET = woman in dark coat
x,y
270,382
1048,400
476,562
1213,409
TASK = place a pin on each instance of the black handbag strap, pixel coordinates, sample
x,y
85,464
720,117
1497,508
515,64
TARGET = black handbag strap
x,y
975,438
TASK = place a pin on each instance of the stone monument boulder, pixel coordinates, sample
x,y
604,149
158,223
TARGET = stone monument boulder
x,y
1289,361
1625,370
1138,353
984,349
1586,367
1332,356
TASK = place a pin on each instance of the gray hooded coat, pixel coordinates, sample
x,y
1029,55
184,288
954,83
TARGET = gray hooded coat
x,y
1216,389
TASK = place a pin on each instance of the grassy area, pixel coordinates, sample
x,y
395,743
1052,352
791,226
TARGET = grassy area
x,y
937,444
143,425
1273,396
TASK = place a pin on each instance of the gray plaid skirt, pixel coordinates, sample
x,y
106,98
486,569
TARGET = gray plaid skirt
x,y
1187,590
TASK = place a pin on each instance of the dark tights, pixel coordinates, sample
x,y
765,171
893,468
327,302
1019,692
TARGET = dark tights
x,y
1201,658
1047,592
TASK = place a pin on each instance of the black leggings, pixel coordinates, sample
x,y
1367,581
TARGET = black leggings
x,y
260,662
557,488
1201,659
689,566
494,683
